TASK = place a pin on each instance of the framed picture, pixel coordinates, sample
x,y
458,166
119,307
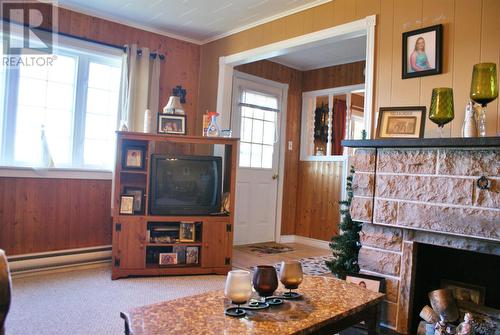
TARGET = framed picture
x,y
171,124
186,232
168,258
372,283
401,122
192,255
465,292
180,250
422,52
127,204
133,157
138,194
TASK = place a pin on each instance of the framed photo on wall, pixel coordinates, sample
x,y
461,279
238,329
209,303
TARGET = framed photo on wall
x,y
401,122
171,124
422,52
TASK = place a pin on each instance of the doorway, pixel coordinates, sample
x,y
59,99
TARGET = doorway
x,y
258,106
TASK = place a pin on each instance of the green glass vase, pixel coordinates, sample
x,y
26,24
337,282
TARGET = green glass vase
x,y
442,110
483,90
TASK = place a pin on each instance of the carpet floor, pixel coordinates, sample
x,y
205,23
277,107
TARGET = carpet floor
x,y
89,302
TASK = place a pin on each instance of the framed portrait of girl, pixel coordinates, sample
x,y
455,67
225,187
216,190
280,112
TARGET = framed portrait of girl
x,y
422,52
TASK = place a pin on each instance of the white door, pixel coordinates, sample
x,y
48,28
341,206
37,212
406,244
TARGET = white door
x,y
255,120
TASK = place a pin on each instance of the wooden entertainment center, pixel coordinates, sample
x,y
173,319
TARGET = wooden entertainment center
x,y
136,250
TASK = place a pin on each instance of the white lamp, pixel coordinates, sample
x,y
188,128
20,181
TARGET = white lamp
x,y
173,106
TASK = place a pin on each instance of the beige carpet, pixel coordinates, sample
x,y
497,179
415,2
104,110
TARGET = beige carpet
x,y
89,302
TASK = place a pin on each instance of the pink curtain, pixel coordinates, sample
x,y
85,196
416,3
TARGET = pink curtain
x,y
339,116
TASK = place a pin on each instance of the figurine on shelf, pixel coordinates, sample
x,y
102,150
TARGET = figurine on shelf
x,y
465,328
469,127
213,129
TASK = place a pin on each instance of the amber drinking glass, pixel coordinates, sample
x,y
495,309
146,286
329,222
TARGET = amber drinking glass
x,y
442,110
483,90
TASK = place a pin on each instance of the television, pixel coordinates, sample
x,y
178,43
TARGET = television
x,y
185,185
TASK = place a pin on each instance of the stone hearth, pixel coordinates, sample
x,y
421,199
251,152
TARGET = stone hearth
x,y
407,196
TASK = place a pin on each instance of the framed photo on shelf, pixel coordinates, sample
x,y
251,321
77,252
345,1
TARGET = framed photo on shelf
x,y
191,255
171,124
372,283
401,122
138,194
422,52
127,204
187,232
134,157
465,292
168,258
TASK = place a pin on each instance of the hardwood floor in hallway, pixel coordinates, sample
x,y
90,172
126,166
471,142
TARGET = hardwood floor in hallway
x,y
245,259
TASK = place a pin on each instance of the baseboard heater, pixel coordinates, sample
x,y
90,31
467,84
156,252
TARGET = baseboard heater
x,y
59,259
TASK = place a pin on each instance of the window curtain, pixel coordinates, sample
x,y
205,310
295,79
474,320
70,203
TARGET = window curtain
x,y
140,87
339,117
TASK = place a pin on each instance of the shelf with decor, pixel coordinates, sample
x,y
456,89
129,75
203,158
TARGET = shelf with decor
x,y
173,204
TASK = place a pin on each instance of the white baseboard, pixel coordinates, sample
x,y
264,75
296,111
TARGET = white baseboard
x,y
304,240
58,259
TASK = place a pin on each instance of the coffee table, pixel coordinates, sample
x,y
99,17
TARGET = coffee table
x,y
328,305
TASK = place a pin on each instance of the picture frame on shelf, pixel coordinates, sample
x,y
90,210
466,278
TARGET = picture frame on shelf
x,y
372,283
465,292
187,232
422,52
192,255
171,124
134,158
401,122
167,258
138,194
180,250
127,204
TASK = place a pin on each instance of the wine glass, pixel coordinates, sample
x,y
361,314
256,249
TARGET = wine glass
x,y
483,90
238,289
442,110
291,276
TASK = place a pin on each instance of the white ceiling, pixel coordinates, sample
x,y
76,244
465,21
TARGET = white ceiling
x,y
335,53
198,21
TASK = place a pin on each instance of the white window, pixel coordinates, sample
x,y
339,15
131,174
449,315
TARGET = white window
x,y
75,101
258,129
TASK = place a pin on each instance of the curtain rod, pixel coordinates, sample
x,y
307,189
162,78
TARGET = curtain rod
x,y
139,51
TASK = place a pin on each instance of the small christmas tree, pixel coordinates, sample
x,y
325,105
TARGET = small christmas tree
x,y
345,246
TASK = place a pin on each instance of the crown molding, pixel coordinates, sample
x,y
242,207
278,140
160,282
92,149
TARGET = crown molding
x,y
266,20
114,19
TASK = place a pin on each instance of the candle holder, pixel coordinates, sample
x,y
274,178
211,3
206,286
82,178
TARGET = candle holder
x,y
238,289
265,280
291,276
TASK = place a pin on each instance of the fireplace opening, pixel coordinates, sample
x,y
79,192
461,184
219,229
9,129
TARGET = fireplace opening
x,y
474,278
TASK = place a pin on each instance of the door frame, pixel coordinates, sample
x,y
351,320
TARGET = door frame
x,y
282,137
362,27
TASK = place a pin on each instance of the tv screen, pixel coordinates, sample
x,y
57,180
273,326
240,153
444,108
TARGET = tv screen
x,y
185,185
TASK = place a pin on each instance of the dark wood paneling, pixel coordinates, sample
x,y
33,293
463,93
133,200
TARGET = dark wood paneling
x,y
40,215
333,76
319,189
276,72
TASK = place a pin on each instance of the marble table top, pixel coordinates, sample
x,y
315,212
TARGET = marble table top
x,y
324,300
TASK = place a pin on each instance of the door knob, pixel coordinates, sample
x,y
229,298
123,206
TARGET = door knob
x,y
275,176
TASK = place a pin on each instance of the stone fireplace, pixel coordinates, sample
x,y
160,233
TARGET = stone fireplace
x,y
424,193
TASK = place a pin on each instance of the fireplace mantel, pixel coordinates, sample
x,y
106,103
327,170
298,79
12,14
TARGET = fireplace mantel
x,y
454,142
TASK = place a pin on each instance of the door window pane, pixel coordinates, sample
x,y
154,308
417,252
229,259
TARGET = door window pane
x,y
258,131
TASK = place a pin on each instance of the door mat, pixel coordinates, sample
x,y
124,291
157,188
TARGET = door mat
x,y
268,248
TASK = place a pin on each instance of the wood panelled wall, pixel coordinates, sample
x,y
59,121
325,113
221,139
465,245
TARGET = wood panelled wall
x,y
283,74
38,215
312,189
471,35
